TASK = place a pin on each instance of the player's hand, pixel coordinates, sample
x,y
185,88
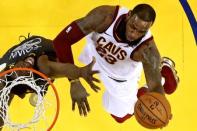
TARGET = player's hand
x,y
79,97
87,73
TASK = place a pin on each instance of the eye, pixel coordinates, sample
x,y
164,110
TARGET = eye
x,y
132,25
137,30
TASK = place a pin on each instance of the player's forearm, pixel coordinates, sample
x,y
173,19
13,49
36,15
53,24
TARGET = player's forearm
x,y
155,87
56,69
153,77
67,70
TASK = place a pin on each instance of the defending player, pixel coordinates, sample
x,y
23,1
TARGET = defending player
x,y
37,52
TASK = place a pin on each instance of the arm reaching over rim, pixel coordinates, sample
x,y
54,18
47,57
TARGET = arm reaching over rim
x,y
55,70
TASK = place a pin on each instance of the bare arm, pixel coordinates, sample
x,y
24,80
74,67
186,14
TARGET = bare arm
x,y
55,70
150,58
96,20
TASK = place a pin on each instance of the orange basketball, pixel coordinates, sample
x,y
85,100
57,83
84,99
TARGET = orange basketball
x,y
152,110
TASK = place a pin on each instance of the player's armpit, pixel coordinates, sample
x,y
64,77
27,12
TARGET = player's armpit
x,y
151,64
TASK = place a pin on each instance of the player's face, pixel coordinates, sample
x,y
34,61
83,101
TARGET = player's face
x,y
136,27
27,63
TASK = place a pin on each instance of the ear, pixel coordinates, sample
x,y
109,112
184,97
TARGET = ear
x,y
130,13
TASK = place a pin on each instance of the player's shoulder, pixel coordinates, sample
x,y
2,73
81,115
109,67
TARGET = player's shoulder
x,y
148,45
98,19
104,10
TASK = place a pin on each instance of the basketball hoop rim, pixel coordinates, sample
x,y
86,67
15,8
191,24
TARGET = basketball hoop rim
x,y
46,78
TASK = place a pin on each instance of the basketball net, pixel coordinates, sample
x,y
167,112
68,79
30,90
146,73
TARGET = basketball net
x,y
40,106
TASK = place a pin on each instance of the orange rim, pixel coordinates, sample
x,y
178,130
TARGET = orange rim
x,y
46,78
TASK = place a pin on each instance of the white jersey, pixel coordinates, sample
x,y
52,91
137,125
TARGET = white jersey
x,y
112,56
119,73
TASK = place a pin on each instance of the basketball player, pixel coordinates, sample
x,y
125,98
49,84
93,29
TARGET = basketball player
x,y
37,52
122,43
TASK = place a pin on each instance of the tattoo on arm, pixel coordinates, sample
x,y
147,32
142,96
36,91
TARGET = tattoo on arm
x,y
151,65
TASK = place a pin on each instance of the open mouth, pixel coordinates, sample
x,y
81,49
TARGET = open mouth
x,y
30,60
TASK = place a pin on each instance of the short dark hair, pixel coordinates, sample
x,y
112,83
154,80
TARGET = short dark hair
x,y
144,12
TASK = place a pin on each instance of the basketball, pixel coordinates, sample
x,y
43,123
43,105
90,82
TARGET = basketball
x,y
152,110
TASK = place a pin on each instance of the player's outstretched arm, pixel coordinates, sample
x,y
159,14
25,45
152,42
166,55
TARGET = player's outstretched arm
x,y
151,63
56,69
96,20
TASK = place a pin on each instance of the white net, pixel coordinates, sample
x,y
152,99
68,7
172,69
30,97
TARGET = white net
x,y
30,81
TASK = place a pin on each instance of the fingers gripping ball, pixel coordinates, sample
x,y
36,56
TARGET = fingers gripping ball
x,y
152,110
